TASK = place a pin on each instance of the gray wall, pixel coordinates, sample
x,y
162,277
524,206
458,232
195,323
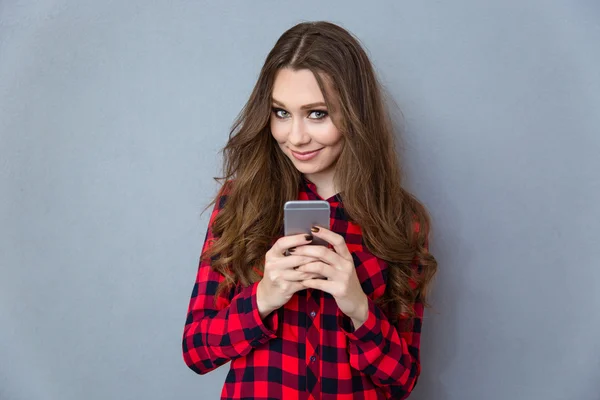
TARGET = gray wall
x,y
111,116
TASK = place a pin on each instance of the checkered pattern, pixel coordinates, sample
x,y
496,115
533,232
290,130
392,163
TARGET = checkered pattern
x,y
307,349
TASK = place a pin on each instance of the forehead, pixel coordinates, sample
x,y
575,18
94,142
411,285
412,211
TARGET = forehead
x,y
295,88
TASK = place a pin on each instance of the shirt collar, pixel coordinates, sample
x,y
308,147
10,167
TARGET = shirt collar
x,y
311,190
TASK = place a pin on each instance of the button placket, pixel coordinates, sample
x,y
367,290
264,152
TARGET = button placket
x,y
313,331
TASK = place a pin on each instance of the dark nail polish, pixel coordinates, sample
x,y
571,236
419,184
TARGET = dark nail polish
x,y
308,237
291,250
314,229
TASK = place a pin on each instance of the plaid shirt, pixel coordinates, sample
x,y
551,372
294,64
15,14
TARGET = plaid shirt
x,y
308,348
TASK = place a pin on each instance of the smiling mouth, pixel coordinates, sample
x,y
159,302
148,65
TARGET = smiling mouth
x,y
306,152
306,156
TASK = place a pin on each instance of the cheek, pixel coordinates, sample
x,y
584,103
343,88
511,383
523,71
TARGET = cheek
x,y
277,131
328,135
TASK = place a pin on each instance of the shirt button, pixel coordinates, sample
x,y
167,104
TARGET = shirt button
x,y
313,359
312,314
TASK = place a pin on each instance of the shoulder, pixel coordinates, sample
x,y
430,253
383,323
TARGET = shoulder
x,y
220,199
420,230
223,194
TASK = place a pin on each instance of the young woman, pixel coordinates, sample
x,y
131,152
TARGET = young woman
x,y
315,128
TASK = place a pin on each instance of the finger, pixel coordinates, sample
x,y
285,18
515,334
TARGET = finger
x,y
319,284
285,242
293,261
321,253
320,268
297,276
336,240
296,286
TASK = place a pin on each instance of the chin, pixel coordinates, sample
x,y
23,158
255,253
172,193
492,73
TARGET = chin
x,y
303,169
310,169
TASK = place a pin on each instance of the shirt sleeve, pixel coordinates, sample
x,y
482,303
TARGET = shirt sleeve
x,y
388,353
218,330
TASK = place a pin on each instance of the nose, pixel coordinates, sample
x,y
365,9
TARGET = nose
x,y
298,135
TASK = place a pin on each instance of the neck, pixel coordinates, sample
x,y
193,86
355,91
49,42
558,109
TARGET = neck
x,y
324,183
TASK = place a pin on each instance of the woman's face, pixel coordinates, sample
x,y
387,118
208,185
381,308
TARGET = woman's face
x,y
300,122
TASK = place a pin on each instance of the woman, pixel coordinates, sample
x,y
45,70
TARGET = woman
x,y
315,128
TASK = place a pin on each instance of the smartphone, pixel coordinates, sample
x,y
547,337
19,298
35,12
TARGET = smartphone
x,y
300,215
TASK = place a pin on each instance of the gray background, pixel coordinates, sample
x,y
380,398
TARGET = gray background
x,y
111,117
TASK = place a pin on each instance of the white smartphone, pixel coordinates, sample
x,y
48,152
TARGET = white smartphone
x,y
300,215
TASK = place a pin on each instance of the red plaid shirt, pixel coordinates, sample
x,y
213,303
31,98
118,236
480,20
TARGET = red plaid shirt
x,y
308,348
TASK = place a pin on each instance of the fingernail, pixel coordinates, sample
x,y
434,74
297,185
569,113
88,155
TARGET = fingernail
x,y
291,250
308,237
314,229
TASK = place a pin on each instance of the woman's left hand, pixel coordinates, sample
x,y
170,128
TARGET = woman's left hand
x,y
337,266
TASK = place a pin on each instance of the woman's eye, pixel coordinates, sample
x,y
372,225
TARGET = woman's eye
x,y
277,112
322,114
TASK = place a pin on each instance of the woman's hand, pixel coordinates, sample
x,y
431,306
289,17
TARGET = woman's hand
x,y
281,278
338,267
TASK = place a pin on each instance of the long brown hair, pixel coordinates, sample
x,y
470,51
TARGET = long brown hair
x,y
368,173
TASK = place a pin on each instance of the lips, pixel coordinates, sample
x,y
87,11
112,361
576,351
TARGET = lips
x,y
307,155
306,152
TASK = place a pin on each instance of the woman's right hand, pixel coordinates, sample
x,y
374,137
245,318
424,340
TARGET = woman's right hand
x,y
280,278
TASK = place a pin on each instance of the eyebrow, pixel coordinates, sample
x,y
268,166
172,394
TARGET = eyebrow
x,y
304,107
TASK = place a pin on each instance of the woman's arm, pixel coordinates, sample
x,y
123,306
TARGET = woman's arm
x,y
217,333
388,353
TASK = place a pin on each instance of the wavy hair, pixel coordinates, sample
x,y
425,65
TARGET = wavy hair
x,y
259,178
